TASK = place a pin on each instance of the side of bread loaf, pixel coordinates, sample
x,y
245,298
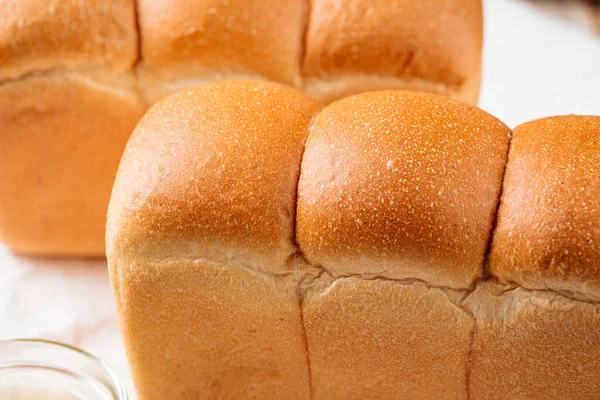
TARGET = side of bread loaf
x,y
67,107
229,155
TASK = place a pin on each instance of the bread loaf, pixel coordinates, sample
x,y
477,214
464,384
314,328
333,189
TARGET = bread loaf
x,y
386,277
76,76
329,48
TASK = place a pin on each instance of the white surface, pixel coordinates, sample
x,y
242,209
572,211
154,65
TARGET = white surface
x,y
534,66
65,301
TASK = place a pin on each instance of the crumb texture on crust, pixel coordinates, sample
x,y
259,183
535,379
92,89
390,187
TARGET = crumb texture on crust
x,y
401,185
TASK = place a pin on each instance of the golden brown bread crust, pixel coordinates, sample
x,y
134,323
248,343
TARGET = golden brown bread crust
x,y
211,172
533,346
42,35
206,40
61,142
215,299
386,340
402,185
335,50
406,41
548,233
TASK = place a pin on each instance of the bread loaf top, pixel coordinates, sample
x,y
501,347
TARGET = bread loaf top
x,y
548,232
196,41
427,45
394,184
211,173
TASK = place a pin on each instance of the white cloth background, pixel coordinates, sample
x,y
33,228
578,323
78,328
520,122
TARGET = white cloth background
x,y
534,66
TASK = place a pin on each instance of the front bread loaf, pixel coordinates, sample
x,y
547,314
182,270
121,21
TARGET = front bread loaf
x,y
76,76
260,247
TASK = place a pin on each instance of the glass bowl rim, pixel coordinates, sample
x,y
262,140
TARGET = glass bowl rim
x,y
117,387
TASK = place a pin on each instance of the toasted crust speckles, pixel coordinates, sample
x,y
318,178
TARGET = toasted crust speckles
x,y
548,233
211,172
403,185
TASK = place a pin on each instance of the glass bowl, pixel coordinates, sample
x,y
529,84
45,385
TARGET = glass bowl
x,y
39,369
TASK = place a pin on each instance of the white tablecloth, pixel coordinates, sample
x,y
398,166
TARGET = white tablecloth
x,y
534,66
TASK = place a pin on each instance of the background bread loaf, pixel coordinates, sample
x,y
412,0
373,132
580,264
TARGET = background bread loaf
x,y
76,76
384,284
186,42
67,107
356,46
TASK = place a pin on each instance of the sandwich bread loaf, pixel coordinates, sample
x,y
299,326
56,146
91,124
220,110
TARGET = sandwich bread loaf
x,y
385,246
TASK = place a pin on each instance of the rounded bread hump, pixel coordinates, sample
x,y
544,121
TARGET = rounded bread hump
x,y
548,231
185,42
211,173
40,35
401,185
427,45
